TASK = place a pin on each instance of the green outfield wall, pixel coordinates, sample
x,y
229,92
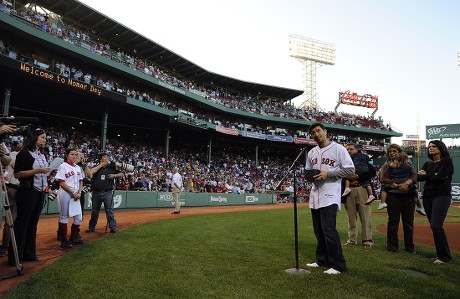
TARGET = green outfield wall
x,y
146,199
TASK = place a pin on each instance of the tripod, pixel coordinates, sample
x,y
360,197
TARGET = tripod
x,y
10,225
295,270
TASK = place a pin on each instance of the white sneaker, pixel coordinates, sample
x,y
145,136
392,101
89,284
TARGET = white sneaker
x,y
349,242
332,271
313,265
368,244
382,206
346,191
369,200
438,261
421,211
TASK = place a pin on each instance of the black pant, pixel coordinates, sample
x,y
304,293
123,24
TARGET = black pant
x,y
82,203
328,247
436,212
29,207
400,205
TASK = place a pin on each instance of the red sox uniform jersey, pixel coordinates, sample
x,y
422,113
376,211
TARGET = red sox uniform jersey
x,y
331,159
71,175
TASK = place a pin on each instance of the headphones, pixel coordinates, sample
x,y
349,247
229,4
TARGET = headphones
x,y
33,133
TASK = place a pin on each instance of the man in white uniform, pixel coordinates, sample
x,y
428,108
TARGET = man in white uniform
x,y
333,163
176,186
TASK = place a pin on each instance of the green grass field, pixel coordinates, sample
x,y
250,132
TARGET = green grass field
x,y
238,255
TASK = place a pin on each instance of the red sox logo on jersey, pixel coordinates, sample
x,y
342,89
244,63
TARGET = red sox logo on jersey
x,y
69,174
325,161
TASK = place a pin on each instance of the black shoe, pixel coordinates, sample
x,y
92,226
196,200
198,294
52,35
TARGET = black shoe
x,y
3,252
77,241
32,259
66,244
113,230
12,264
176,212
90,230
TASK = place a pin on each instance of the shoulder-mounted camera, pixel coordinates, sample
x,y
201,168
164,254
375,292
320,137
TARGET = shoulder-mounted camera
x,y
24,125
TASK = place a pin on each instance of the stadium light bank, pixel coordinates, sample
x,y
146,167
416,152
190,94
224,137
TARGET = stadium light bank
x,y
312,54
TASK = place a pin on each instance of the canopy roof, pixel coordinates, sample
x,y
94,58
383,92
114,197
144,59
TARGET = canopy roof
x,y
76,14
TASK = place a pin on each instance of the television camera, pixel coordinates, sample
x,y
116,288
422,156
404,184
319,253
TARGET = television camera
x,y
24,125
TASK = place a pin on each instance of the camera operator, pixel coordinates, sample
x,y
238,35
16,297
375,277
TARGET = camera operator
x,y
12,183
104,175
31,168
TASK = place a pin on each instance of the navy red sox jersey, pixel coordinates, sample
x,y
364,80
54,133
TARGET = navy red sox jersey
x,y
70,174
330,158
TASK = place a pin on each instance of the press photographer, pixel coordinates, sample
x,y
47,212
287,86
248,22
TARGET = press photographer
x,y
104,175
7,161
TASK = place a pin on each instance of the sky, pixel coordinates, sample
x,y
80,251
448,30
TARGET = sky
x,y
403,51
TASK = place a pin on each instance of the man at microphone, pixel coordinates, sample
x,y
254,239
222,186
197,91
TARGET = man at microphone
x,y
332,162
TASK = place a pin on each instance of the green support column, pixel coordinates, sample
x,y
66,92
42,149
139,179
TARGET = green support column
x,y
167,137
209,150
104,130
6,101
257,155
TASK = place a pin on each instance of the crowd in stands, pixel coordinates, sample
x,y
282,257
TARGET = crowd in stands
x,y
231,99
231,170
190,114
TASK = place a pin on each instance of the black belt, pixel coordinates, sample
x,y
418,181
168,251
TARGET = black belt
x,y
356,185
102,190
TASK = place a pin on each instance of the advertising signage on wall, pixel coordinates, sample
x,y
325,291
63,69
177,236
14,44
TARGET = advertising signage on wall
x,y
255,135
280,138
413,143
228,131
299,140
456,191
443,131
376,148
352,98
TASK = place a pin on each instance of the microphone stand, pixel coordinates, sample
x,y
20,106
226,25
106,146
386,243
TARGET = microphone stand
x,y
295,270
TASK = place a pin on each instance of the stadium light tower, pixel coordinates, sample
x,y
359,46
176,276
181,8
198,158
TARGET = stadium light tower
x,y
312,54
458,57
